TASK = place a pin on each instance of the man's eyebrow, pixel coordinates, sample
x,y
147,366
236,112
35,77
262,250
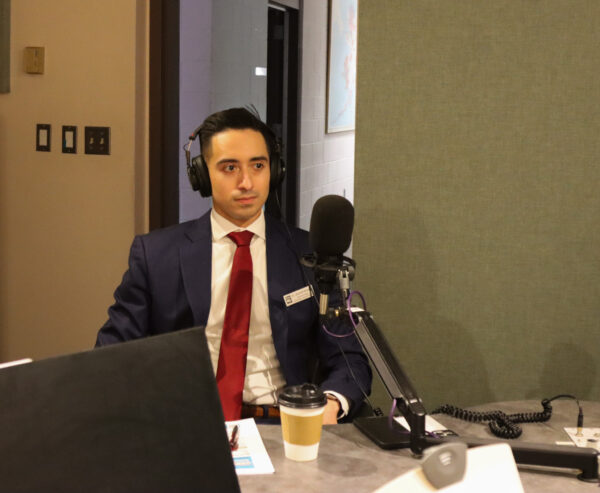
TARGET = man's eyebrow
x,y
230,160
227,160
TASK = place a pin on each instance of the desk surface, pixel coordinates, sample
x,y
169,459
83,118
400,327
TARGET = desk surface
x,y
348,461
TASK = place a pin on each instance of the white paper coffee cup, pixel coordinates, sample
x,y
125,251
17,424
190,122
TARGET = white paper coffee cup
x,y
301,430
301,408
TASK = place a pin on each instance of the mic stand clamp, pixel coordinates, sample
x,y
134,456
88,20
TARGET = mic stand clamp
x,y
329,272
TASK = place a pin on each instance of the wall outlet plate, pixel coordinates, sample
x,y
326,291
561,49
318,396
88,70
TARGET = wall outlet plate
x,y
34,59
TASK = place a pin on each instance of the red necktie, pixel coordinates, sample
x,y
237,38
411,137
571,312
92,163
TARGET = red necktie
x,y
231,369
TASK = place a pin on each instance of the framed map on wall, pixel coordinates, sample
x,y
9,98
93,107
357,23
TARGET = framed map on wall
x,y
341,65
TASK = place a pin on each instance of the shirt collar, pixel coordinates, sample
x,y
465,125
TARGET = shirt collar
x,y
221,226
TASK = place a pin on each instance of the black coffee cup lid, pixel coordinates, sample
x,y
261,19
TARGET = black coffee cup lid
x,y
305,396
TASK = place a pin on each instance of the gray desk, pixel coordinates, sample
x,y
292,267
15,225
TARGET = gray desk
x,y
348,461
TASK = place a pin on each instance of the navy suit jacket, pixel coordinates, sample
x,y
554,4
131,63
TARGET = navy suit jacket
x,y
168,287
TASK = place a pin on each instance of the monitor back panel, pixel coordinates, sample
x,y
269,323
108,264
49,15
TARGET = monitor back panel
x,y
141,416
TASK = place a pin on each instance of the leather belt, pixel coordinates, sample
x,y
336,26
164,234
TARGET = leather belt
x,y
260,412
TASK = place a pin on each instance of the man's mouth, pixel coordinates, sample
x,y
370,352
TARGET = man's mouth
x,y
246,199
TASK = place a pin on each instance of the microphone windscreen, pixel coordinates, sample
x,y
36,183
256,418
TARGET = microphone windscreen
x,y
331,225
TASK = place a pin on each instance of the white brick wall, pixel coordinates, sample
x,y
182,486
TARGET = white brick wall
x,y
326,160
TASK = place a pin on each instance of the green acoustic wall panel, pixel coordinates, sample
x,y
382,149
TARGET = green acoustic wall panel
x,y
477,206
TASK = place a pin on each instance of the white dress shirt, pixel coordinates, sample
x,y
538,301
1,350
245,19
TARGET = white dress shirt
x,y
264,377
263,371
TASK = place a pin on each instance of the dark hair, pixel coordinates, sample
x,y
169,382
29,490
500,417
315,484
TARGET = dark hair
x,y
235,118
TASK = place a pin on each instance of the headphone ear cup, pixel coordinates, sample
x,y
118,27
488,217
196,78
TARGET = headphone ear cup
x,y
277,164
191,172
277,171
200,172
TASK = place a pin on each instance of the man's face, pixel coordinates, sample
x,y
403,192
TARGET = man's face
x,y
238,166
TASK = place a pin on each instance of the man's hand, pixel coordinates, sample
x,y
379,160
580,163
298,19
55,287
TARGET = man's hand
x,y
332,409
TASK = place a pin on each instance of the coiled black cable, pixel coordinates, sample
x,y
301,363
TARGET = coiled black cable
x,y
501,424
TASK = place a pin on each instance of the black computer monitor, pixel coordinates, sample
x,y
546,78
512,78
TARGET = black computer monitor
x,y
140,416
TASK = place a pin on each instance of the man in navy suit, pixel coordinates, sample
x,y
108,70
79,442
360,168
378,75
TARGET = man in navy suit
x,y
178,277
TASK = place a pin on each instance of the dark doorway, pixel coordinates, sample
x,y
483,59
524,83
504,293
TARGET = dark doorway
x,y
164,145
282,104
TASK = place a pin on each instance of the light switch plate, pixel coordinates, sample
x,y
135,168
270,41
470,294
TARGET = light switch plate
x,y
97,140
42,137
69,139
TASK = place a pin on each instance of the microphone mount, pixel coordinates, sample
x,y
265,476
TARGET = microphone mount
x,y
330,272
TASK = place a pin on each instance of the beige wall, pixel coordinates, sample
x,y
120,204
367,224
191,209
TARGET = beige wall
x,y
66,220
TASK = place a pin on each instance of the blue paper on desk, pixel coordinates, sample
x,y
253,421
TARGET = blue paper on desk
x,y
250,456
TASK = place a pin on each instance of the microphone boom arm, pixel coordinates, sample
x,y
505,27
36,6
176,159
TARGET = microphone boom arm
x,y
394,378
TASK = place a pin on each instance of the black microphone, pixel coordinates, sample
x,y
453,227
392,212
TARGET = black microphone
x,y
331,225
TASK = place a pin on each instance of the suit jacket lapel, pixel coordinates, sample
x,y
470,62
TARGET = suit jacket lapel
x,y
196,267
276,263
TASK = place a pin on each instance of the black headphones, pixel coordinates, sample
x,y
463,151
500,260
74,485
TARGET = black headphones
x,y
197,170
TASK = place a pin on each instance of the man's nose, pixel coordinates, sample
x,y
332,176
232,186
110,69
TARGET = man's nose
x,y
245,182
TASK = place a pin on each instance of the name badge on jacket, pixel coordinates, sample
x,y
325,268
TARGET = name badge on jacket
x,y
298,296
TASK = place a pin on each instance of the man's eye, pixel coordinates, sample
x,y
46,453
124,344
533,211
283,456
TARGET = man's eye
x,y
259,165
230,167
